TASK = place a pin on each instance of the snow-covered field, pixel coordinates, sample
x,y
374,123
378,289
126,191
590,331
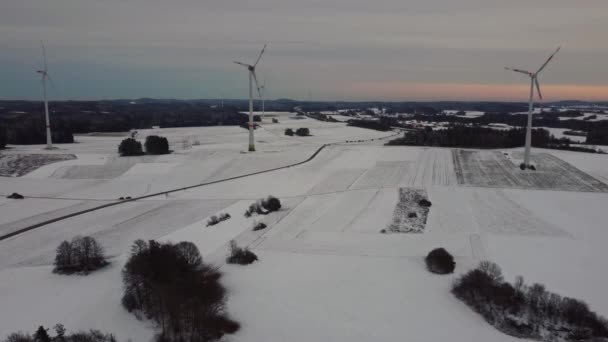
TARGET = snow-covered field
x,y
326,273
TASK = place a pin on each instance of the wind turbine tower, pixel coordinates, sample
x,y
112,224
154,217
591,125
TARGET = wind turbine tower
x,y
262,95
45,76
252,77
533,81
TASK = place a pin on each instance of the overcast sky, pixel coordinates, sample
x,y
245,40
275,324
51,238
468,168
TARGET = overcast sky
x,y
334,49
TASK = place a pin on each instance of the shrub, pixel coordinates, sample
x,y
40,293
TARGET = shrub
x,y
289,132
156,145
524,311
81,255
263,206
424,203
130,147
440,261
15,195
213,220
303,132
240,256
170,285
271,204
274,120
532,167
412,215
259,226
255,208
522,166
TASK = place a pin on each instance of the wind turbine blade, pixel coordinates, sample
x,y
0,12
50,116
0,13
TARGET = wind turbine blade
x,y
43,55
257,85
519,71
540,95
260,56
50,80
243,64
548,60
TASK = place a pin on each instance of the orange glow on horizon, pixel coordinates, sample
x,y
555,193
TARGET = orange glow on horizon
x,y
470,91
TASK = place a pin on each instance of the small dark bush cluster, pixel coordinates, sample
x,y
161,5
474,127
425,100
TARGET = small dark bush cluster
x,y
522,166
81,255
274,120
302,132
42,335
240,256
263,206
130,147
412,214
170,285
15,195
213,220
440,261
156,145
527,311
259,226
424,203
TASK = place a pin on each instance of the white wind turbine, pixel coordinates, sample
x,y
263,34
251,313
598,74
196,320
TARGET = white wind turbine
x,y
252,77
533,81
45,75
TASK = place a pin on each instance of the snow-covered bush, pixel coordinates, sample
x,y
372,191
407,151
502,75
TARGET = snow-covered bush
x,y
259,226
170,285
240,256
263,206
271,203
527,311
81,255
213,220
289,132
440,261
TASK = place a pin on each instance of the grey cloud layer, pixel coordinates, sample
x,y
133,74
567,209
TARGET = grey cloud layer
x,y
314,44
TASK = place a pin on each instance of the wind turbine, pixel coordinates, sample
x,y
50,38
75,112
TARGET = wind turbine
x,y
252,77
45,75
533,81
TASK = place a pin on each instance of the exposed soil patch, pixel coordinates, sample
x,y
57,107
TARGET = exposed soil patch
x,y
409,216
17,165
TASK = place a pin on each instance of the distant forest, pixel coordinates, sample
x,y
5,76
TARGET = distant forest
x,y
481,137
23,122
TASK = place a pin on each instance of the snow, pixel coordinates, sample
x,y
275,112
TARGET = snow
x,y
325,272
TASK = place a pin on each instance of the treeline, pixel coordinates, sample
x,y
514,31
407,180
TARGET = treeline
x,y
527,311
548,119
27,125
383,124
477,137
481,137
170,285
597,136
42,335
